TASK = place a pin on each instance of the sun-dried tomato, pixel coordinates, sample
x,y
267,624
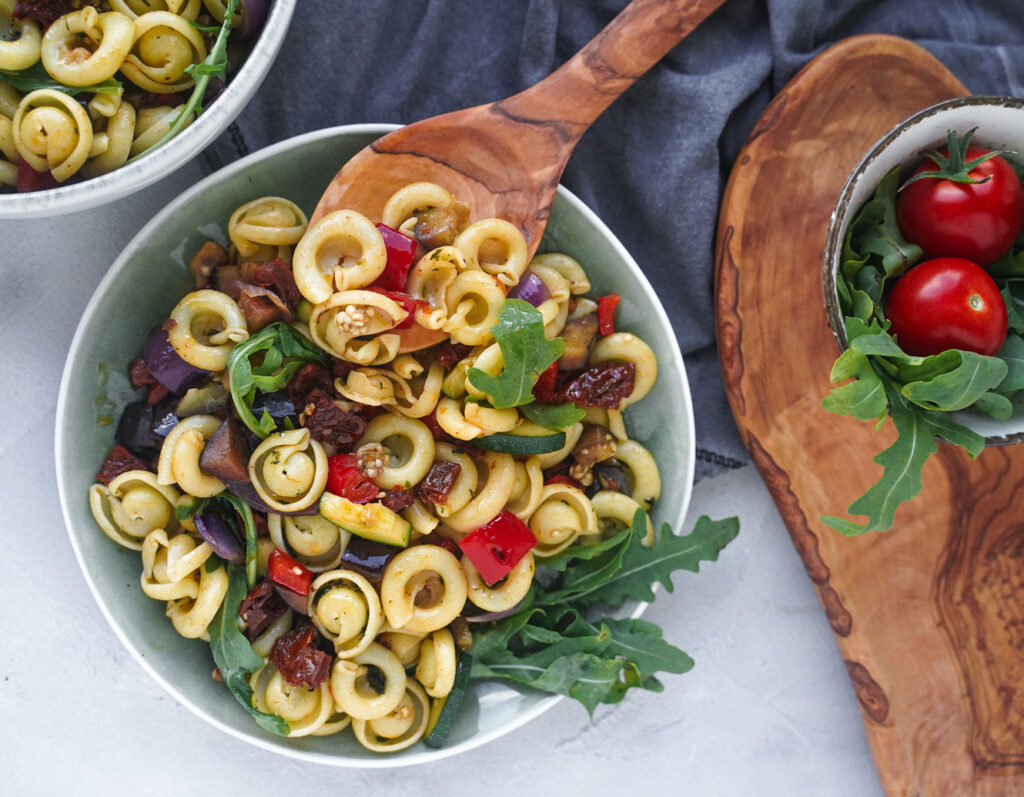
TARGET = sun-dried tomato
x,y
298,658
450,352
329,423
341,368
211,255
139,375
119,460
603,385
439,434
438,482
397,500
275,275
261,307
45,12
260,608
307,379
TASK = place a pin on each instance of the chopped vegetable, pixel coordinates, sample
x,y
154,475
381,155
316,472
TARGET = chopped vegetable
x,y
345,479
606,313
286,572
401,251
497,546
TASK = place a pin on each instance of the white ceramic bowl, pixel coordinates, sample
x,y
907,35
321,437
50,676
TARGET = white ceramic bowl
x,y
176,152
1000,123
143,286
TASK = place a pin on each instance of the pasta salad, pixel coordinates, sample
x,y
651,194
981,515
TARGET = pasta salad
x,y
377,461
87,85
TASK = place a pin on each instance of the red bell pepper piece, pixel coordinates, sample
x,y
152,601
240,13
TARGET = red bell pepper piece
x,y
408,304
606,313
401,251
30,180
544,387
345,479
561,478
286,572
498,546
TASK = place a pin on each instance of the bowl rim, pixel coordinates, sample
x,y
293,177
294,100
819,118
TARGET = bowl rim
x,y
190,142
834,244
61,441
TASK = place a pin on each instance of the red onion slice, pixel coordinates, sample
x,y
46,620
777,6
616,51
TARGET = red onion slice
x,y
530,288
220,538
167,367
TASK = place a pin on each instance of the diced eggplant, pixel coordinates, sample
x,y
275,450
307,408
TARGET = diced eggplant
x,y
210,399
164,418
367,558
203,263
610,475
226,454
167,367
135,428
596,444
579,335
440,226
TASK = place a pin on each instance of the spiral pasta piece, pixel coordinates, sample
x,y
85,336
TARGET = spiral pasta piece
x,y
346,609
419,518
525,497
179,456
342,324
563,515
305,710
164,46
288,470
20,51
423,589
473,302
436,668
342,250
267,221
429,281
643,468
69,61
572,436
496,246
312,540
615,511
191,617
120,134
568,267
496,479
408,448
506,593
133,505
186,9
152,124
405,645
218,10
207,325
626,347
336,722
401,727
51,131
406,201
263,644
354,691
464,487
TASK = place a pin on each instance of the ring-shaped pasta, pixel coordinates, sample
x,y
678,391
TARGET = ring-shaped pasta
x,y
266,221
9,99
429,281
496,246
495,480
627,347
169,565
450,418
152,124
429,568
473,302
419,518
644,470
343,251
187,9
506,593
192,616
120,135
219,8
569,268
288,470
558,285
105,105
346,609
164,46
421,394
489,420
179,456
305,710
263,644
372,386
7,148
436,668
552,458
207,325
342,323
8,173
403,644
311,540
615,511
464,486
563,515
69,62
336,722
402,727
24,49
406,201
525,497
355,693
52,132
555,314
131,506
410,447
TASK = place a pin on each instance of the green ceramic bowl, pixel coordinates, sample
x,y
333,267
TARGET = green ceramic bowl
x,y
142,287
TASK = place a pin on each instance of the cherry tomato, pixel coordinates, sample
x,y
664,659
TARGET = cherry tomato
x,y
978,221
345,479
946,303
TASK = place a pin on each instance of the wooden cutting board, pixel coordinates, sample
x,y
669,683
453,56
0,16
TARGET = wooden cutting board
x,y
929,616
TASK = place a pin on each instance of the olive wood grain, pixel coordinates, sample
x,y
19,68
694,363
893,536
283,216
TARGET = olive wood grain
x,y
929,617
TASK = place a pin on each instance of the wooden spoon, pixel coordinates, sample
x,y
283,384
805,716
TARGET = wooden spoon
x,y
505,158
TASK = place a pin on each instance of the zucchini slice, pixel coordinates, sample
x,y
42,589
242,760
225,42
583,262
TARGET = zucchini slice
x,y
372,521
526,445
445,710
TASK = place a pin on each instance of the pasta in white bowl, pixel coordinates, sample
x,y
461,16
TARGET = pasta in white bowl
x,y
420,601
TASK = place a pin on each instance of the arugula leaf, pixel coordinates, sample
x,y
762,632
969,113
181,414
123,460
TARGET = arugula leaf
x,y
553,416
1014,308
960,386
642,643
36,77
234,655
284,352
877,233
251,543
1012,354
863,398
526,354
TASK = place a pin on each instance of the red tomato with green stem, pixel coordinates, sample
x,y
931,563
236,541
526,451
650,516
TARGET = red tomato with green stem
x,y
947,303
964,202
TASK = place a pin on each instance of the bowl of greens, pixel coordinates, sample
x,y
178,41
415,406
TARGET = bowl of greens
x,y
99,100
922,280
580,636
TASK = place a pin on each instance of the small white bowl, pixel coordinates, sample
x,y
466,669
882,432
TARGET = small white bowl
x,y
1000,126
176,152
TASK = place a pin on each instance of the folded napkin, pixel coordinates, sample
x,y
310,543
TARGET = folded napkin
x,y
654,165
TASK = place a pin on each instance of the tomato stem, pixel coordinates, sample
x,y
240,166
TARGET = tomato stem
x,y
954,167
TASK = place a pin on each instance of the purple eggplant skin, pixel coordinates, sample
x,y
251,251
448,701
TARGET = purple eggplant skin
x,y
164,418
167,367
135,428
226,454
368,558
220,538
530,288
294,600
254,17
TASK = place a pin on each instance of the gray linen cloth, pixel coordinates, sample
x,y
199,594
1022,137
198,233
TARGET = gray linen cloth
x,y
654,165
